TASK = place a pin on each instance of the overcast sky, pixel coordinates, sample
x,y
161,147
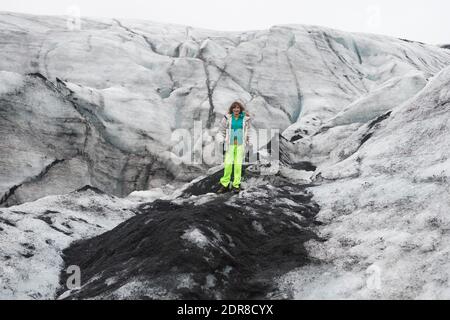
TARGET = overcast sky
x,y
421,20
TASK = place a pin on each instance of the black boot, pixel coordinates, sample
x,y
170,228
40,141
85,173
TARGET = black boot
x,y
222,189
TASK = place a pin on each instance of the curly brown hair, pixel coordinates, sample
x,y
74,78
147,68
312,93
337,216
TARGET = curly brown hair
x,y
236,103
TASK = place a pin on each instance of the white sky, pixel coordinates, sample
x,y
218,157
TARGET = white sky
x,y
421,20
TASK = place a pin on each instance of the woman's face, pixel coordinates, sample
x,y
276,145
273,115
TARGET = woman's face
x,y
236,110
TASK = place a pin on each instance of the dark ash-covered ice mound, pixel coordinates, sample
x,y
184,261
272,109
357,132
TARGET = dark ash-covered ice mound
x,y
204,246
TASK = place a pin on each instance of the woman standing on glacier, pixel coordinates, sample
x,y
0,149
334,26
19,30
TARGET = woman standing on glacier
x,y
234,129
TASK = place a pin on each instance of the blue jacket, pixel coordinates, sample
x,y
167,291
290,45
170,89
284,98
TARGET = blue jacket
x,y
237,128
225,129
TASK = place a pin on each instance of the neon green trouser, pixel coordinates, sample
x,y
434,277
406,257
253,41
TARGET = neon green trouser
x,y
234,154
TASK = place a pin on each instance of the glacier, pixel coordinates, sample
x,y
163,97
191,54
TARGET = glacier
x,y
88,173
122,87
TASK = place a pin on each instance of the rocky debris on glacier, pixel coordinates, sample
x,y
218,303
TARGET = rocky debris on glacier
x,y
31,266
201,245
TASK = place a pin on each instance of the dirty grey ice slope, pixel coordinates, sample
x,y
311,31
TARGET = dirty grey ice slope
x,y
33,235
385,205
